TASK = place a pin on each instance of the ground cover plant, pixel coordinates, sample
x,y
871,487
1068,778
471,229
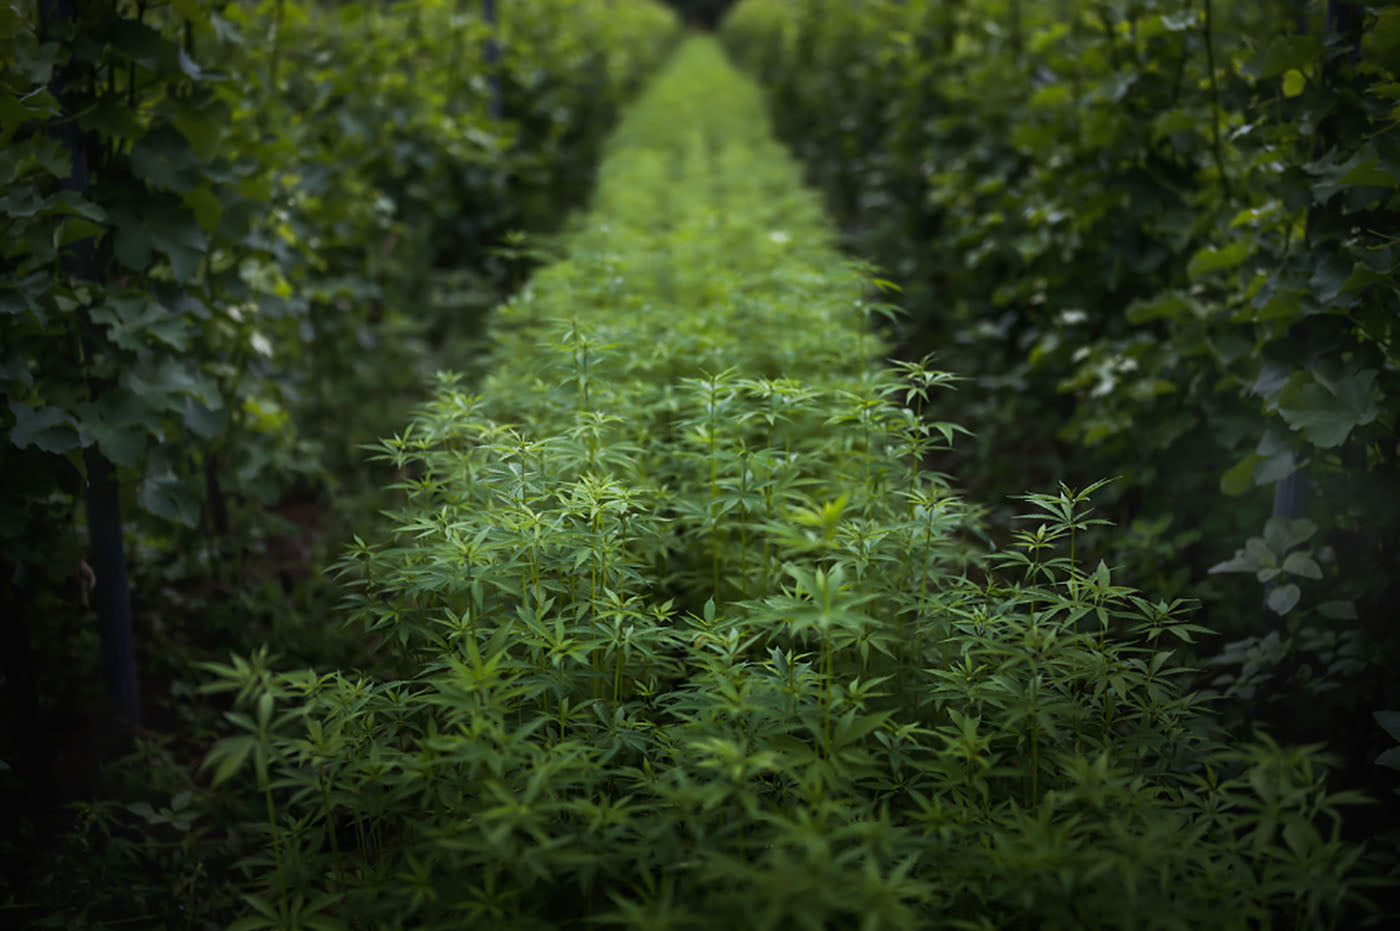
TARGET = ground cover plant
x,y
1158,239
676,628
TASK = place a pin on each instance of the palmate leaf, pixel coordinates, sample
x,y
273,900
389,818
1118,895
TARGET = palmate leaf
x,y
228,756
158,224
1327,407
168,495
48,428
164,159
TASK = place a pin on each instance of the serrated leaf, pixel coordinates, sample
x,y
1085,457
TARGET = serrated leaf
x,y
1301,564
204,422
49,428
123,444
1283,598
163,158
167,495
160,224
1281,534
131,319
1275,468
227,756
1326,409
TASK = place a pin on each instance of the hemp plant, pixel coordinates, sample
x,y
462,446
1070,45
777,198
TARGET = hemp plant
x,y
680,629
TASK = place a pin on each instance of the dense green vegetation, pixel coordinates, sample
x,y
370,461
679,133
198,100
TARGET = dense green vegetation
x,y
1158,239
675,629
238,239
704,590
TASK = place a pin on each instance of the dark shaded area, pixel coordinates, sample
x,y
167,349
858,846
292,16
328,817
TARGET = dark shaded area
x,y
705,14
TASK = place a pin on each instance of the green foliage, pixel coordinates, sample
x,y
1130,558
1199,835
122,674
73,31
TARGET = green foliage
x,y
676,629
267,189
237,236
1158,240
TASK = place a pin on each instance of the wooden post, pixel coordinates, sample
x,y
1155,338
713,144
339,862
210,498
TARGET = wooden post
x,y
112,593
104,519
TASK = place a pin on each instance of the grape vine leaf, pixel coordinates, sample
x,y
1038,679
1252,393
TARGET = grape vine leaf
x,y
1326,409
47,428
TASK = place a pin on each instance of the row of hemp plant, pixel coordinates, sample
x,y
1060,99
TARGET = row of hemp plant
x,y
675,629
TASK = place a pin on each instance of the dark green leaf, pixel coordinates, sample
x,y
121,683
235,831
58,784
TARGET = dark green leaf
x,y
1283,598
48,428
1327,408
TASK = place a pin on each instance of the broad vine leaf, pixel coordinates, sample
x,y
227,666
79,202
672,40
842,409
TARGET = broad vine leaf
x,y
47,428
1364,169
167,495
1301,564
1283,598
130,318
1325,410
123,444
203,421
1281,534
163,159
1275,468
